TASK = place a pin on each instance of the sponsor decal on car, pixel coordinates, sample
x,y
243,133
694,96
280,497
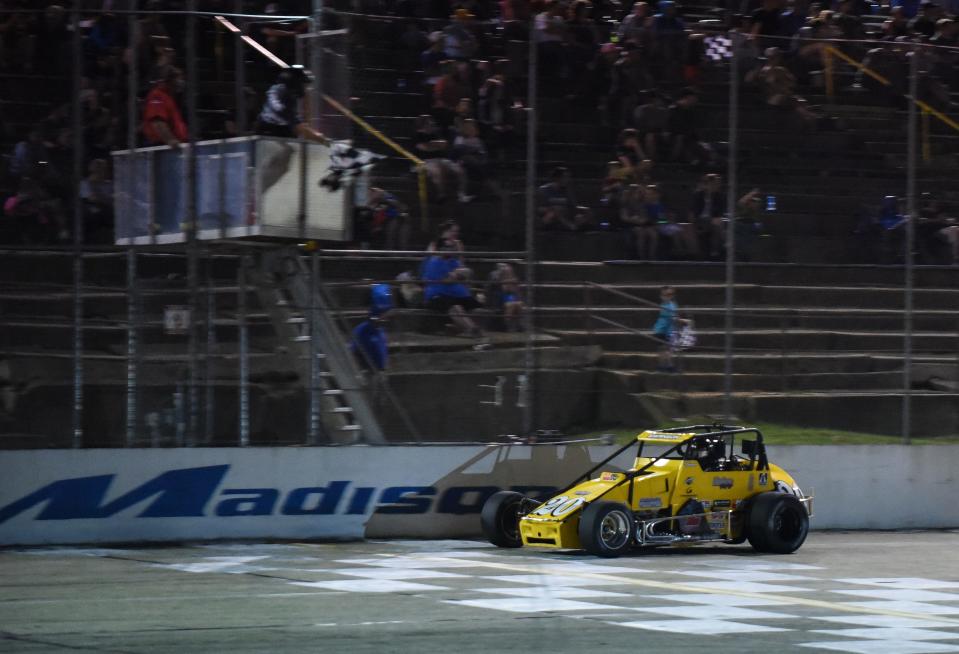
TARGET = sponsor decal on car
x,y
723,482
722,504
611,476
659,436
650,502
689,481
763,478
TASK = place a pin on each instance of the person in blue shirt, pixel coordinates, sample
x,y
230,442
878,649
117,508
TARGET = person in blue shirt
x,y
445,293
369,343
667,322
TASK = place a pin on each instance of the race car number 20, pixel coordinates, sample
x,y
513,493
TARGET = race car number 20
x,y
559,506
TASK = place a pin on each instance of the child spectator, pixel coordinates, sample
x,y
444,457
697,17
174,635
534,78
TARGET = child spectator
x,y
503,296
666,324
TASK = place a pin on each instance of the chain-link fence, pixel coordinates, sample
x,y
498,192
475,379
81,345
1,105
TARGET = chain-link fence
x,y
795,194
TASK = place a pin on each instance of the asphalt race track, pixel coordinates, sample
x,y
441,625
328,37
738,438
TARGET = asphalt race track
x,y
864,592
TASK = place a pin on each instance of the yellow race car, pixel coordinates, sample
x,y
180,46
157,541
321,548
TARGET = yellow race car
x,y
687,485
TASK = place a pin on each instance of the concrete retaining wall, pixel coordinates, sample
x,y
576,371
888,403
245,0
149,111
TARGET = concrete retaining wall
x,y
88,496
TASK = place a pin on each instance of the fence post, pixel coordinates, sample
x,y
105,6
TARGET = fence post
x,y
911,146
828,79
244,354
78,155
529,361
731,226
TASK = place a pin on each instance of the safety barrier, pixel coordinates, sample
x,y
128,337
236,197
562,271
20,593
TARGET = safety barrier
x,y
90,496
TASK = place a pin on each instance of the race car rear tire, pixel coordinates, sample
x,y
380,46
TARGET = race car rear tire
x,y
606,529
500,519
778,523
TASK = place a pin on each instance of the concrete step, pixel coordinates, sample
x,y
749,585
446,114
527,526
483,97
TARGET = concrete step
x,y
691,382
757,363
791,340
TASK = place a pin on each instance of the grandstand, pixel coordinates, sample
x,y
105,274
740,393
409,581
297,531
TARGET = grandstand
x,y
819,320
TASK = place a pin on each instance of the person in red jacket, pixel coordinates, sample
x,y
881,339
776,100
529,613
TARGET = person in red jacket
x,y
163,123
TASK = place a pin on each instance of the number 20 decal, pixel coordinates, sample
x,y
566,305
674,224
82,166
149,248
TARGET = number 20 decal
x,y
559,506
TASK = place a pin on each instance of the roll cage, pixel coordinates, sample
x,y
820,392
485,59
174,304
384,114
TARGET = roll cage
x,y
754,449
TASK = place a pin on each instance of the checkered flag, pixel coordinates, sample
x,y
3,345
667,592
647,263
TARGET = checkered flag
x,y
347,161
718,47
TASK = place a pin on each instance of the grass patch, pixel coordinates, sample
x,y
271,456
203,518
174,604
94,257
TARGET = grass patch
x,y
774,434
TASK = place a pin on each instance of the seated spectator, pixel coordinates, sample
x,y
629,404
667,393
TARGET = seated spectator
x,y
461,113
469,152
643,228
617,177
681,237
557,210
433,148
384,221
629,153
447,235
925,23
652,121
163,123
34,216
503,296
779,87
459,42
936,232
897,25
446,293
96,192
30,156
748,225
707,214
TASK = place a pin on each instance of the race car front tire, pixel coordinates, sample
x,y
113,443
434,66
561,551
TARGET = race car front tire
x,y
778,523
606,529
500,519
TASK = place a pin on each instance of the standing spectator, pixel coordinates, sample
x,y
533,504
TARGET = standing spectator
x,y
684,127
666,324
583,37
449,89
630,78
54,57
384,221
432,146
636,28
643,228
652,120
280,115
670,39
767,24
470,153
550,35
163,123
494,106
897,25
707,214
369,344
599,82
